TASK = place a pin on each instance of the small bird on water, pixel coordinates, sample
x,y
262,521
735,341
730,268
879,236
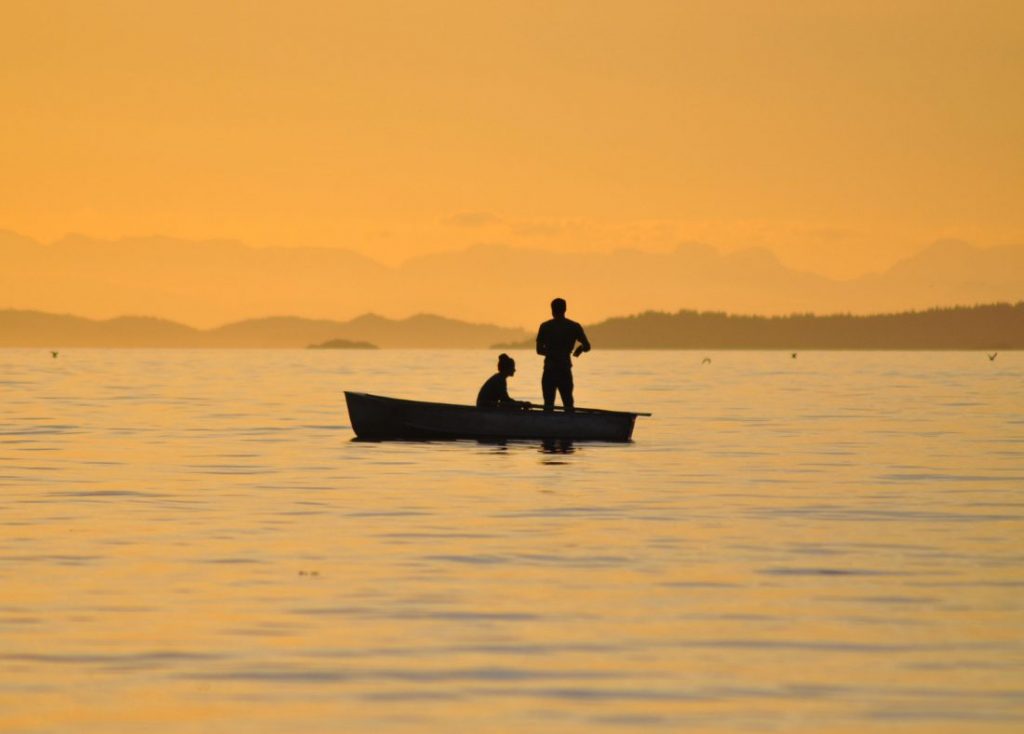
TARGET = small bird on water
x,y
793,355
992,357
707,360
54,354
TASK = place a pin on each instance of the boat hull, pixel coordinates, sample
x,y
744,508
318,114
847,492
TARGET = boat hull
x,y
380,418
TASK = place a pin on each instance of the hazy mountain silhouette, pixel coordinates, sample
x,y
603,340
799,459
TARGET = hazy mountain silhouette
x,y
36,329
212,282
996,326
422,330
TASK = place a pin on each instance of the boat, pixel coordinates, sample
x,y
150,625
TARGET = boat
x,y
379,418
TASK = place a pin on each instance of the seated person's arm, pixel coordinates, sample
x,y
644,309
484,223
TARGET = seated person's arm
x,y
506,401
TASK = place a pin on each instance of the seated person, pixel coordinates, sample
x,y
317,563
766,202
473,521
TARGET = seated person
x,y
494,393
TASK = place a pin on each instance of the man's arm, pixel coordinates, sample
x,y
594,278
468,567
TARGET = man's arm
x,y
542,347
584,342
584,346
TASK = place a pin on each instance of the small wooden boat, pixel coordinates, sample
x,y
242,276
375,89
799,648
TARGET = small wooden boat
x,y
380,418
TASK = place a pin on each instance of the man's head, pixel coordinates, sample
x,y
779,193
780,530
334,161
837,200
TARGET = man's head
x,y
506,365
558,307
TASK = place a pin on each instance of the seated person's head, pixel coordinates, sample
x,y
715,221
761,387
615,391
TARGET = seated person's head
x,y
506,365
558,307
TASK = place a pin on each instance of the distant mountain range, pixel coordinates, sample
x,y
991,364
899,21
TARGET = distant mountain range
x,y
208,283
991,327
37,329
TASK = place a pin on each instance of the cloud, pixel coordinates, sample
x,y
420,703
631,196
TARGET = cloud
x,y
537,229
472,219
830,234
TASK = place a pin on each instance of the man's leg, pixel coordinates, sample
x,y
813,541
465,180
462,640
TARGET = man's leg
x,y
547,388
565,387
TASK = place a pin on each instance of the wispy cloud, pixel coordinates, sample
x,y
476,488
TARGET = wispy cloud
x,y
537,229
473,219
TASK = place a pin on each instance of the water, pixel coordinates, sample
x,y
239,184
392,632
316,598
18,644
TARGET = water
x,y
190,542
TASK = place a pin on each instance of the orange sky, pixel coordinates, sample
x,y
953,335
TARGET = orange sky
x,y
841,135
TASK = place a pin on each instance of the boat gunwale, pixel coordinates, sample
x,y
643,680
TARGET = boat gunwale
x,y
532,410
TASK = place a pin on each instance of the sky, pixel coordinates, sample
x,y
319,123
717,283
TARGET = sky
x,y
843,136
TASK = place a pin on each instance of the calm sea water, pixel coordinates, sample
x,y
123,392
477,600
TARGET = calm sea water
x,y
190,541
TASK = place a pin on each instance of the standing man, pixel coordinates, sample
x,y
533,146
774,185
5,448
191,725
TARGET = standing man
x,y
556,340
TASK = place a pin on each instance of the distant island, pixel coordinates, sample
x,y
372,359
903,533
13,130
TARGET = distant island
x,y
343,344
994,326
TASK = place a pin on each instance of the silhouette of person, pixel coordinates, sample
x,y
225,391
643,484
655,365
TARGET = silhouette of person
x,y
494,393
556,340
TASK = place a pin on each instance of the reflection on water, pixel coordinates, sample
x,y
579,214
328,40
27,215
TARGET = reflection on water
x,y
191,541
557,446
